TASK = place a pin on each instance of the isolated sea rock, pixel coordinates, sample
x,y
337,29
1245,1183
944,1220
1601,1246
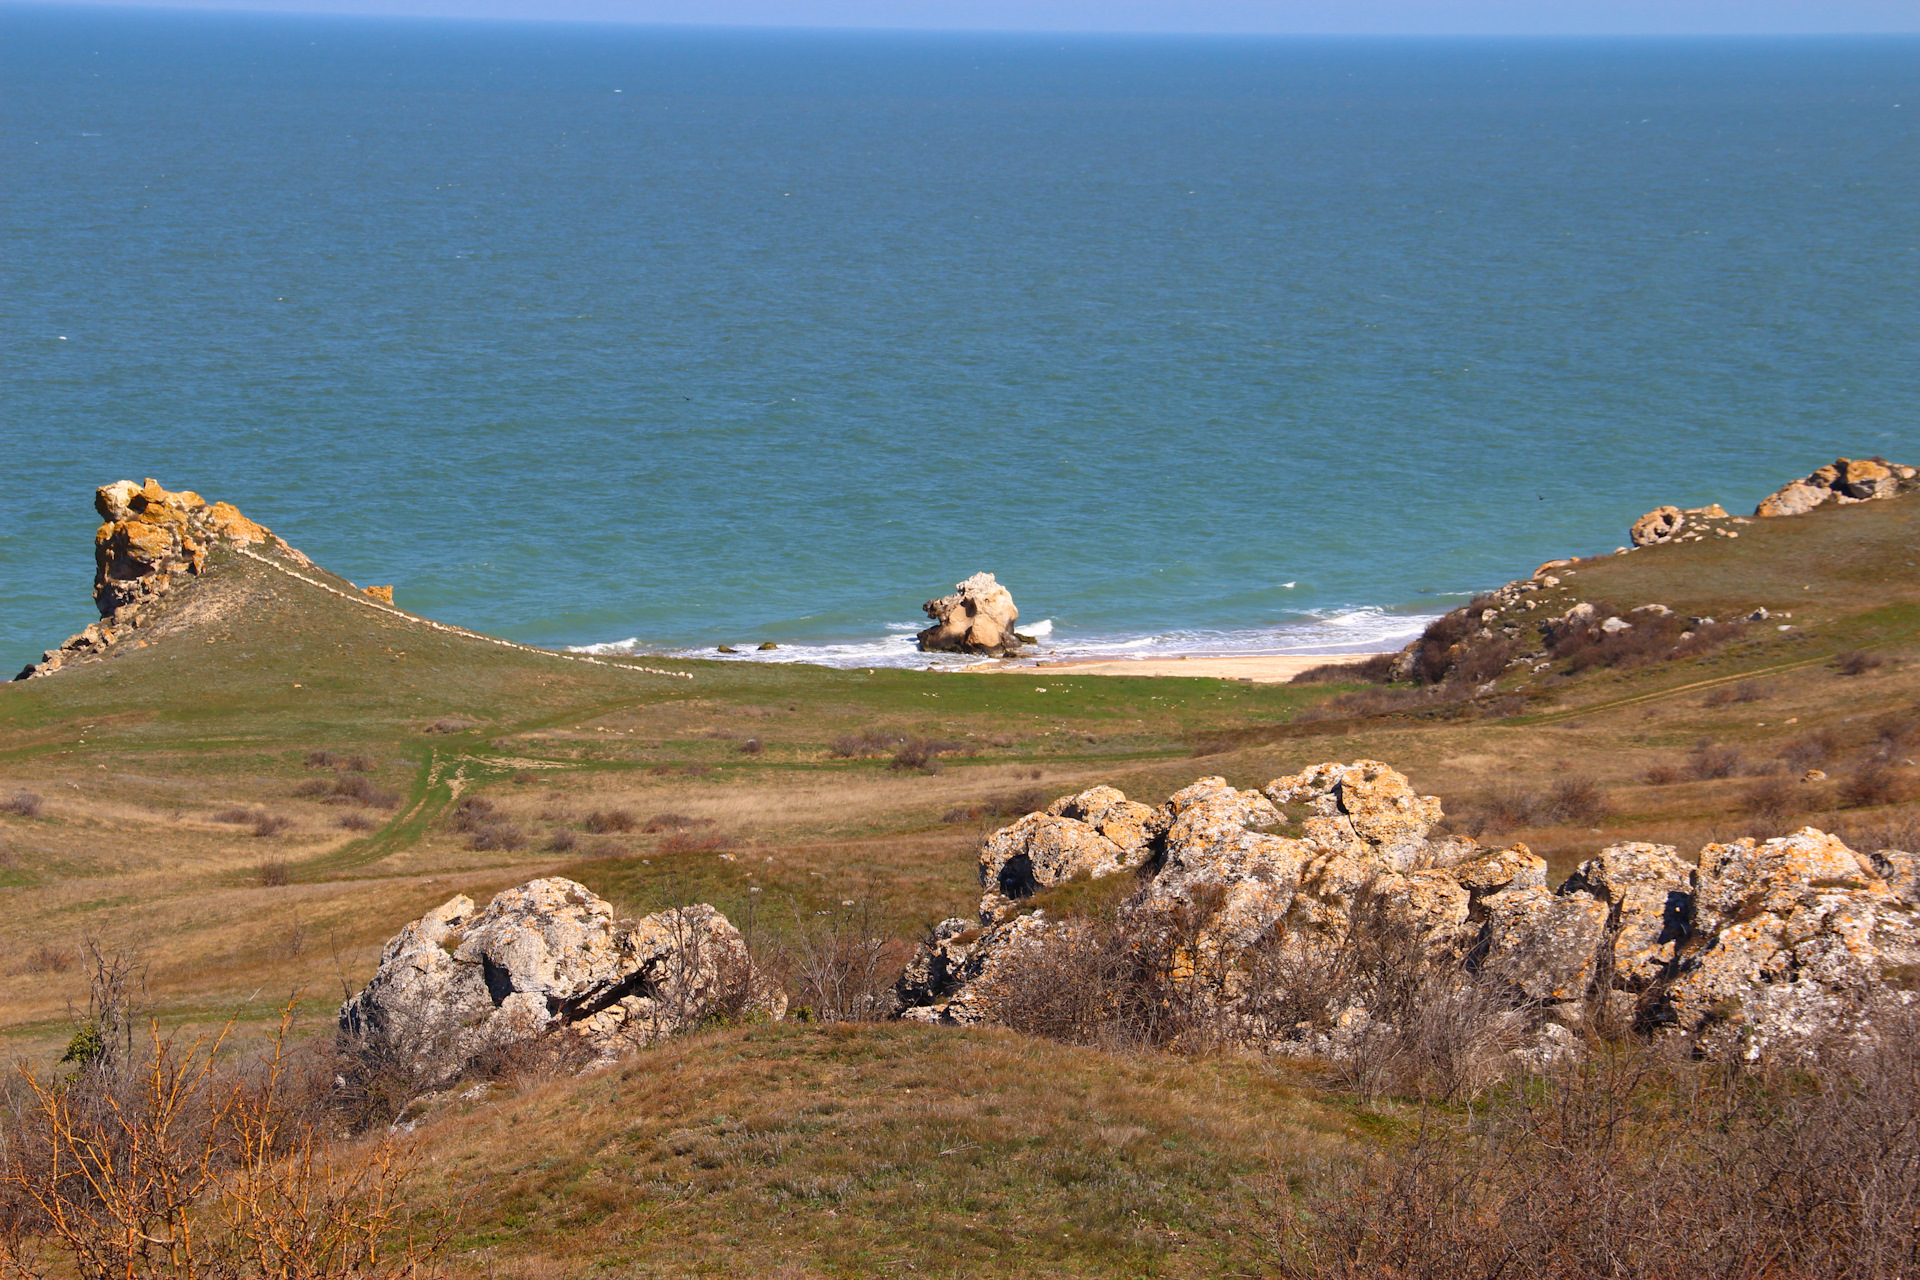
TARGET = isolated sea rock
x,y
152,538
977,618
1846,480
549,956
1758,948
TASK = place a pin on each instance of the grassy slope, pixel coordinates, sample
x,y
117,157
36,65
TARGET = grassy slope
x,y
136,757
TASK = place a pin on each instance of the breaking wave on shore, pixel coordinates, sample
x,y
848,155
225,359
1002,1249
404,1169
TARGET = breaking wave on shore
x,y
1332,632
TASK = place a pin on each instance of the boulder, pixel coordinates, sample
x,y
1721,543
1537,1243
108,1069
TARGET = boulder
x,y
977,618
1648,889
547,956
1042,850
1791,938
1845,480
1367,806
1657,526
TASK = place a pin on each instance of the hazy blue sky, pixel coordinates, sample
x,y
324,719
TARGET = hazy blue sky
x,y
1402,17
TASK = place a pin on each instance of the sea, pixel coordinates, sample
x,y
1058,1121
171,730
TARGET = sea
x,y
655,339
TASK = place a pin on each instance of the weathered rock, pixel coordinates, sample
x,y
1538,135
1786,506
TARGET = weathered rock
x,y
1791,937
549,955
151,540
977,618
1365,801
1657,526
383,594
1846,480
1763,944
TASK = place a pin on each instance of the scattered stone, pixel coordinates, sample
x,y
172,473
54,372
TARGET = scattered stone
x,y
977,618
549,956
383,594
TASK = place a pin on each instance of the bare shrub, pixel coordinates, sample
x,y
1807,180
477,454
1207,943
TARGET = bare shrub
x,y
1858,662
1662,774
1745,691
359,789
602,822
921,754
837,963
451,724
498,836
1811,751
313,789
472,812
1710,760
1363,704
358,822
22,804
562,841
47,958
1485,661
1577,800
1897,730
751,747
1511,805
1773,800
322,760
269,824
1015,805
194,1168
1377,669
273,874
235,815
1628,1163
866,742
1874,783
357,764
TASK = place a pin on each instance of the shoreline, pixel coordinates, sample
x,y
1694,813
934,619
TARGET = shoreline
x,y
1268,669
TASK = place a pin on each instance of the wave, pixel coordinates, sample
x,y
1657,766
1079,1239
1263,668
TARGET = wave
x,y
1331,632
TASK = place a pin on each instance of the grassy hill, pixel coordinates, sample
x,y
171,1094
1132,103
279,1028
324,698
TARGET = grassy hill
x,y
255,792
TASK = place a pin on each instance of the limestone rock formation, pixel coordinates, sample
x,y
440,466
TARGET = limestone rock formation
x,y
977,618
1846,480
1760,945
1671,524
549,956
151,539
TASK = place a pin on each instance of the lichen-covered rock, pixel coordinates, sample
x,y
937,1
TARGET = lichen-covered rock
x,y
1040,851
1649,889
1845,480
1657,526
1790,938
151,539
1128,823
977,618
1367,802
1545,944
545,956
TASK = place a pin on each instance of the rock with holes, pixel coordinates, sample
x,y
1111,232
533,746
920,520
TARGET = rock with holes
x,y
977,618
1544,944
1649,891
1131,825
1901,871
1792,938
1042,850
548,956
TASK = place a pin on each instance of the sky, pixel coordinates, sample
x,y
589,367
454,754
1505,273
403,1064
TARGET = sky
x,y
1299,17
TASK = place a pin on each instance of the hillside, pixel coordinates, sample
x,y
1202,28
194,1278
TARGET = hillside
x,y
261,782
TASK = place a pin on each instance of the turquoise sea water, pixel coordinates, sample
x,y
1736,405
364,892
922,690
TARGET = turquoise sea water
x,y
592,335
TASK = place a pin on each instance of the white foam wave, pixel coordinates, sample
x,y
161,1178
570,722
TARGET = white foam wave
x,y
1360,630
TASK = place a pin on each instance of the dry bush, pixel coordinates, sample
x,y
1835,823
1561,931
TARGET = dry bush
x,y
603,822
1016,805
182,1166
1375,670
498,836
360,789
1434,652
451,724
472,812
1579,801
1510,805
867,742
1662,774
1362,704
1649,639
673,822
22,804
358,822
562,841
922,754
1730,694
322,760
840,965
1710,760
1858,662
1774,800
1892,831
1874,783
1811,751
273,874
47,958
752,747
1897,731
268,824
235,815
1485,661
1633,1164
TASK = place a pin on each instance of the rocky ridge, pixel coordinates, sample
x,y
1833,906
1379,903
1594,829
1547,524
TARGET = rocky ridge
x,y
1759,945
150,541
545,957
977,618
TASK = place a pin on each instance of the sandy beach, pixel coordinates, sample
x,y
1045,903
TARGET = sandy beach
x,y
1260,670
